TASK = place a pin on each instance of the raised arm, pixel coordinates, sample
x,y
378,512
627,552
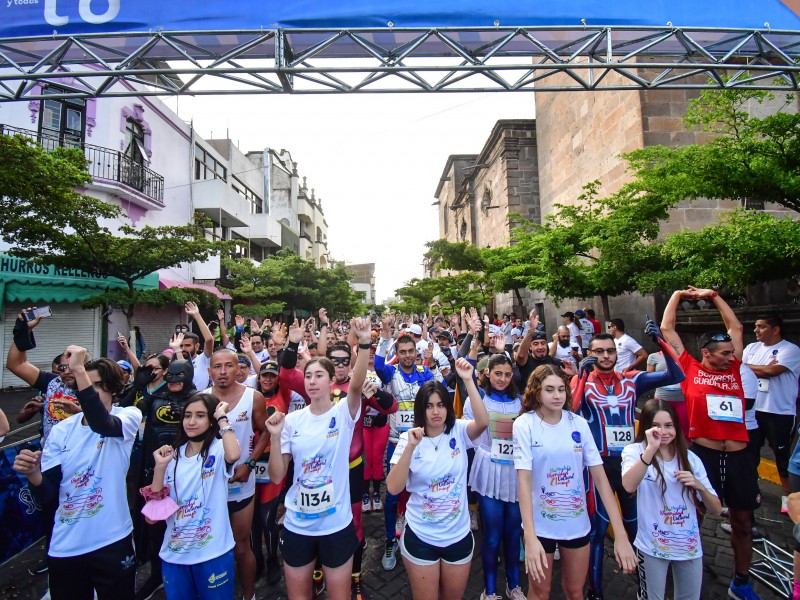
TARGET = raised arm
x,y
17,359
361,328
130,355
668,322
480,422
672,375
224,340
525,346
97,415
732,323
193,311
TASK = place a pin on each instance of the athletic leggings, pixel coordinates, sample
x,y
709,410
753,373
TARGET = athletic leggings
x,y
375,440
687,577
501,520
394,503
612,465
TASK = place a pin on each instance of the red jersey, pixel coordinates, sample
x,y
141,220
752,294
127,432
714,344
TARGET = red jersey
x,y
715,400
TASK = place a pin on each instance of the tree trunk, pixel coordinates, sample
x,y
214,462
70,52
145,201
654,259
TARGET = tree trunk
x,y
606,308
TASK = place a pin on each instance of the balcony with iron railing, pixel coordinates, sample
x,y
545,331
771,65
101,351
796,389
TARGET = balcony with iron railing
x,y
102,163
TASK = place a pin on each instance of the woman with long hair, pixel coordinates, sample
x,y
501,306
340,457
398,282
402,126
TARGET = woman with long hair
x,y
318,524
493,478
552,447
430,461
669,481
197,551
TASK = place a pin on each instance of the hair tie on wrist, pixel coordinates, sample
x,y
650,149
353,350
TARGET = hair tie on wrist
x,y
641,458
366,346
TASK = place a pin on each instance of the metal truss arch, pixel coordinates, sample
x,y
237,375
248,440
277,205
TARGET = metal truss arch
x,y
392,60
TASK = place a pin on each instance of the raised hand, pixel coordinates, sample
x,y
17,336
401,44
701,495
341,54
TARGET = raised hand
x,y
279,334
652,330
427,354
415,436
122,342
500,343
323,316
221,317
362,330
191,309
464,369
275,423
33,322
254,326
534,320
266,324
587,365
175,341
245,345
296,331
568,368
163,455
239,320
369,388
221,410
653,436
77,356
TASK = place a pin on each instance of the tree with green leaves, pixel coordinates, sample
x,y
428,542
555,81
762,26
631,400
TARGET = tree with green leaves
x,y
745,248
748,157
286,282
466,288
47,220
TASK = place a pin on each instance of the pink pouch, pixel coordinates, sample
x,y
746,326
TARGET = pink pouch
x,y
159,509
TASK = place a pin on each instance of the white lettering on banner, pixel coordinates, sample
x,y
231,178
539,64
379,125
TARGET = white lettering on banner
x,y
85,9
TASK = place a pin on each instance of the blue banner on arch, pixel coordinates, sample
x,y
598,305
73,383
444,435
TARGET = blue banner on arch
x,y
44,17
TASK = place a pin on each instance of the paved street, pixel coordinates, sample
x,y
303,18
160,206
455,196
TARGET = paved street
x,y
16,583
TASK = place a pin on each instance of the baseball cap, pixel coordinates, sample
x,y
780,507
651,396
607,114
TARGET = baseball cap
x,y
580,313
569,314
415,329
539,335
445,335
269,367
125,365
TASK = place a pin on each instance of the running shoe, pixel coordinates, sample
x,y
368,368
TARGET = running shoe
x,y
318,583
473,519
485,596
366,504
356,589
755,531
785,505
148,590
742,592
515,594
376,501
389,560
400,525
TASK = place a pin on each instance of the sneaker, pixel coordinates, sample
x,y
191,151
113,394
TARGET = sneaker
x,y
389,560
755,531
366,504
318,583
515,594
473,519
376,501
356,590
742,592
148,590
485,596
785,505
400,525
38,568
557,554
273,572
726,527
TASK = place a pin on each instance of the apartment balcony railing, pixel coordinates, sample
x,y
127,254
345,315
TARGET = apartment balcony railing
x,y
102,163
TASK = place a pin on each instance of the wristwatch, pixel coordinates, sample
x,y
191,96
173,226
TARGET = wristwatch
x,y
250,463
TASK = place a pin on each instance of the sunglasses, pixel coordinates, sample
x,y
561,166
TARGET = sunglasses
x,y
62,368
717,337
340,362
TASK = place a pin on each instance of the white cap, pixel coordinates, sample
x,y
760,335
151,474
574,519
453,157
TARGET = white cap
x,y
415,329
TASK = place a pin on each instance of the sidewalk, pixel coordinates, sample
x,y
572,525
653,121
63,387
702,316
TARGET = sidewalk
x,y
16,583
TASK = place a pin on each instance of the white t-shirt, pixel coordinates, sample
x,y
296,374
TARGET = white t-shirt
x,y
262,356
437,509
556,456
574,335
778,394
668,525
318,503
201,529
587,331
564,353
92,498
627,347
201,363
241,419
750,388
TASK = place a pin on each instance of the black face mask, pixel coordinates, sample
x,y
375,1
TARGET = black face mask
x,y
181,371
198,438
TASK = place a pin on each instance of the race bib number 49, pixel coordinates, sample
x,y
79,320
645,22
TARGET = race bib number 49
x,y
725,408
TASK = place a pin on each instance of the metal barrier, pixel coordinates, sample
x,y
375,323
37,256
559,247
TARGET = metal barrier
x,y
774,567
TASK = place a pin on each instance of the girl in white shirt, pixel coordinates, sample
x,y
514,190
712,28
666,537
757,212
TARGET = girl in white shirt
x,y
197,551
552,447
319,520
430,461
669,480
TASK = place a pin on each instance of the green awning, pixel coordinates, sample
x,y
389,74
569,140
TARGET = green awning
x,y
25,281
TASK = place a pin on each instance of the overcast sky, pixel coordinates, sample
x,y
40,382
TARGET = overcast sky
x,y
374,159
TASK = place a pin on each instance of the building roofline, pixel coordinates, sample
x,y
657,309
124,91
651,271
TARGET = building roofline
x,y
450,160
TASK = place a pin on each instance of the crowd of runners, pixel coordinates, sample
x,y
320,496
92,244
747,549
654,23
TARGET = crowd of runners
x,y
254,450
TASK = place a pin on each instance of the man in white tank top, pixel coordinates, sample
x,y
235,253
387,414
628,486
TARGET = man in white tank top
x,y
247,414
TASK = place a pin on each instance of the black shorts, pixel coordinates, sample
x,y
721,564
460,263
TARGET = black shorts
x,y
235,506
550,545
110,571
777,430
424,554
733,476
356,482
332,550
